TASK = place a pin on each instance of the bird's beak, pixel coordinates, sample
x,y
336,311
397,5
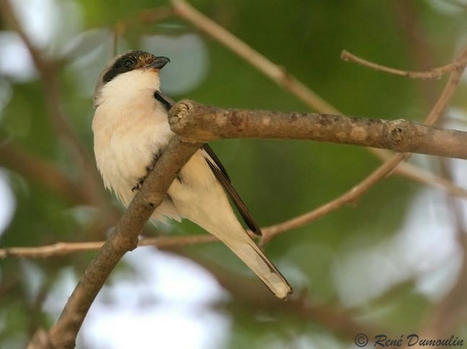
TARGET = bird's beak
x,y
159,62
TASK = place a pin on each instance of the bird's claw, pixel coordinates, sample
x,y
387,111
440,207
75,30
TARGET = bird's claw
x,y
149,168
138,185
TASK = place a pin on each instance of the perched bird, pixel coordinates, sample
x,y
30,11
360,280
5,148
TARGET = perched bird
x,y
131,130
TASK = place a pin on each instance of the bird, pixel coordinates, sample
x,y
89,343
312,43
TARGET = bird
x,y
131,130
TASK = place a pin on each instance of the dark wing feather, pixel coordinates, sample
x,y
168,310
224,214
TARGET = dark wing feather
x,y
167,102
228,187
221,174
207,148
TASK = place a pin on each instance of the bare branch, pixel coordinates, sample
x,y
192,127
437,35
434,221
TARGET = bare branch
x,y
65,248
434,73
448,91
204,123
349,196
288,82
124,239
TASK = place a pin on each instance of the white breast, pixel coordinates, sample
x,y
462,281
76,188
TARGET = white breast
x,y
129,127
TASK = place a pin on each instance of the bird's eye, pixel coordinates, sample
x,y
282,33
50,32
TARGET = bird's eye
x,y
128,63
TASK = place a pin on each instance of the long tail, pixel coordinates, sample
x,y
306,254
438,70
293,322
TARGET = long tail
x,y
200,197
246,249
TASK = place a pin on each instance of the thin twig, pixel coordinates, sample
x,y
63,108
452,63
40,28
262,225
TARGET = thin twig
x,y
349,196
65,248
434,73
286,81
448,91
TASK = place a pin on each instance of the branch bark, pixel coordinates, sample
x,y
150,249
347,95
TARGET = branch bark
x,y
124,239
195,121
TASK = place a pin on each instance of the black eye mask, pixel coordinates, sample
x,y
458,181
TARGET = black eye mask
x,y
126,63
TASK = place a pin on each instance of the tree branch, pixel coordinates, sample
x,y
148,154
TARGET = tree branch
x,y
194,121
280,76
65,248
349,196
434,73
124,239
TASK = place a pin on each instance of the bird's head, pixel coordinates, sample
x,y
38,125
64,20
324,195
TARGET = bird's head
x,y
132,70
134,60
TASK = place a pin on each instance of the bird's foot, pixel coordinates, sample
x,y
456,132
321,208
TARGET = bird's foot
x,y
139,184
149,168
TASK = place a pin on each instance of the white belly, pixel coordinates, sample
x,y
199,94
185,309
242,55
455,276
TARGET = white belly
x,y
126,141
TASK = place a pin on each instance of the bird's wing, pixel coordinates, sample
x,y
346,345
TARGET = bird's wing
x,y
223,178
220,173
166,101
